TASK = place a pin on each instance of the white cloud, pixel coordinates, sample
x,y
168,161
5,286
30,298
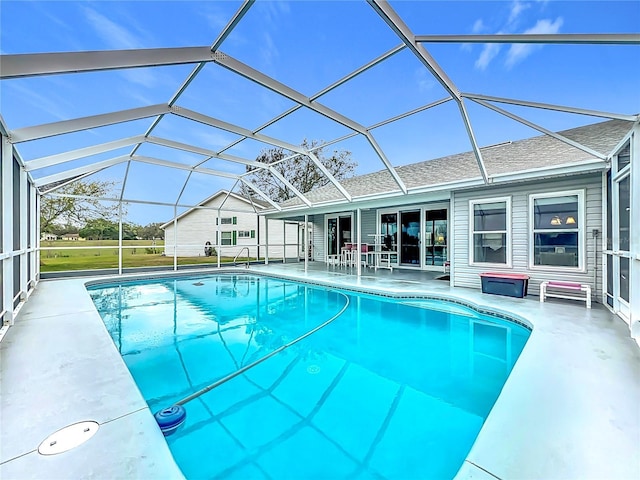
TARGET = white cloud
x,y
517,7
520,51
276,9
517,52
142,76
268,49
213,139
216,20
273,15
120,37
114,35
55,19
137,96
52,105
425,80
491,50
488,53
478,26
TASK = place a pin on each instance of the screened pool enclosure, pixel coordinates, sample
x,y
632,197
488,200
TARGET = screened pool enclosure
x,y
171,113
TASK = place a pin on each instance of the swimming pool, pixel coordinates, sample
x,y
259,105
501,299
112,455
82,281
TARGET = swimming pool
x,y
393,388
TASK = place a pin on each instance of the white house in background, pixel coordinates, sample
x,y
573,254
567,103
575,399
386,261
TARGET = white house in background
x,y
71,236
230,222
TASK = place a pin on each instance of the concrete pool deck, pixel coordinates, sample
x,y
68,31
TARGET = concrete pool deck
x,y
569,410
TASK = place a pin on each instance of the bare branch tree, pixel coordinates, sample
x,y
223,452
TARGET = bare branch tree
x,y
300,171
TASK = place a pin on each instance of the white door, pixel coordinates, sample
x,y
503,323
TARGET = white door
x,y
617,250
622,255
435,238
339,231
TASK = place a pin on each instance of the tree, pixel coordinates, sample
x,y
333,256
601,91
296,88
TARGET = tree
x,y
101,229
151,231
80,207
300,171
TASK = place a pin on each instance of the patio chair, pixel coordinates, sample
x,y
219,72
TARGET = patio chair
x,y
364,254
346,255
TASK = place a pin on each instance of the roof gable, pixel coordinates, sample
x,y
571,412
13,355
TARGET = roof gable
x,y
221,193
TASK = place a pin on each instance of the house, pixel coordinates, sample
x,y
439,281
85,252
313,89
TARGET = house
x,y
555,207
229,222
48,237
71,236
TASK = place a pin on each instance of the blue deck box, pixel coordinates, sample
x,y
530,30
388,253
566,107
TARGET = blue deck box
x,y
508,284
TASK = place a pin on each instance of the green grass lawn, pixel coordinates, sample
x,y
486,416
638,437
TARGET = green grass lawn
x,y
140,254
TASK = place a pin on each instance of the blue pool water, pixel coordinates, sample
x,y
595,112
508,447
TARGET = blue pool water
x,y
397,389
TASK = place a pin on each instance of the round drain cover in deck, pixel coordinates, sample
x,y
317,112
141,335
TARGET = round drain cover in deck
x,y
68,437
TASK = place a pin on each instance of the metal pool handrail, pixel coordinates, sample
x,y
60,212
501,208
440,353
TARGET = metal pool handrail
x,y
231,376
235,259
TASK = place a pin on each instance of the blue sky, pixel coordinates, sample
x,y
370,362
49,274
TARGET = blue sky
x,y
309,45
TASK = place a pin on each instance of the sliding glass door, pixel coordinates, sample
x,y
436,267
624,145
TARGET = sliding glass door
x,y
338,232
419,236
388,234
410,238
435,237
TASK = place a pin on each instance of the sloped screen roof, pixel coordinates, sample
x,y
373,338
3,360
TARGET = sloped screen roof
x,y
174,99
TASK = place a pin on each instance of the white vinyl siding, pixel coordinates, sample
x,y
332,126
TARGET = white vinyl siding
x,y
465,274
199,226
369,223
318,237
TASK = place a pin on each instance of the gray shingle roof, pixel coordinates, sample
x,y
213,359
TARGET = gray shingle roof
x,y
539,152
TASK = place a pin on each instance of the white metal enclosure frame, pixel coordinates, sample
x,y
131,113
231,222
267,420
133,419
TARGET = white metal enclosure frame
x,y
28,65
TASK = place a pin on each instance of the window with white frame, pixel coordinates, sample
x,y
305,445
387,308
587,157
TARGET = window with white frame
x,y
556,220
490,236
246,233
227,220
226,238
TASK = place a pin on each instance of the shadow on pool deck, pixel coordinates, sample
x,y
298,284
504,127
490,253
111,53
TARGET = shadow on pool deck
x,y
569,410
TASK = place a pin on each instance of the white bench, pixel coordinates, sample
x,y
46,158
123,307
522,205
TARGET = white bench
x,y
568,290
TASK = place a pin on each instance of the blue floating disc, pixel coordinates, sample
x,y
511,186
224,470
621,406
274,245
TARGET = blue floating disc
x,y
170,418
